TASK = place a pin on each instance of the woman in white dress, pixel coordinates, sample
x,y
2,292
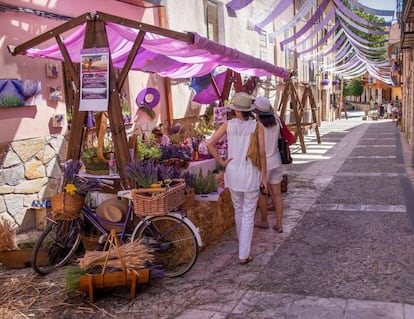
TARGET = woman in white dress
x,y
241,177
271,123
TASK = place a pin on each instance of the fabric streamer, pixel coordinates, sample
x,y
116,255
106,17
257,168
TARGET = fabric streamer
x,y
165,56
235,5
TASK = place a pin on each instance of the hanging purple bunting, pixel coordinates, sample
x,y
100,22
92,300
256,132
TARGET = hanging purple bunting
x,y
375,12
281,6
235,5
357,18
319,27
308,24
358,27
323,40
90,120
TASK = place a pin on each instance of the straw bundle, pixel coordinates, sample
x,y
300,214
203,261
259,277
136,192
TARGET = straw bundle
x,y
134,256
7,236
213,218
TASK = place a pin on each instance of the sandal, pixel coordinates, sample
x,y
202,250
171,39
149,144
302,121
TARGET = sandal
x,y
246,261
261,225
278,229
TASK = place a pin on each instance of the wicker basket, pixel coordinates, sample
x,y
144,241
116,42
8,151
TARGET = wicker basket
x,y
89,241
148,204
66,206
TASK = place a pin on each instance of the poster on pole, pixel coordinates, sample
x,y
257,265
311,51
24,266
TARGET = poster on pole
x,y
94,81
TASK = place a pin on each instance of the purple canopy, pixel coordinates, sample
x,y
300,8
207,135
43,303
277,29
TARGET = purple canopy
x,y
166,56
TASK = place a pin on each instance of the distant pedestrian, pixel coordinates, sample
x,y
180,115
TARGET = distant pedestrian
x,y
389,110
394,112
241,177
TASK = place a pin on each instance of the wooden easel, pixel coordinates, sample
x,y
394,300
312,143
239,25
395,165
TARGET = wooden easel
x,y
299,107
308,99
289,94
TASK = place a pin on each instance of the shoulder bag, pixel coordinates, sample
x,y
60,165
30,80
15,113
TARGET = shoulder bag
x,y
284,148
253,150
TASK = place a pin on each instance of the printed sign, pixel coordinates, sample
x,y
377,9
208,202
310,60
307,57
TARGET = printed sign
x,y
94,79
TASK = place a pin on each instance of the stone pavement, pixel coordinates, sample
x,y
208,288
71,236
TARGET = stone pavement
x,y
346,250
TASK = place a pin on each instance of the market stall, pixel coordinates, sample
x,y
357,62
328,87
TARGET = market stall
x,y
102,43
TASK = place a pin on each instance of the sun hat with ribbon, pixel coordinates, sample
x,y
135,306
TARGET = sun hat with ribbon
x,y
262,106
113,210
242,102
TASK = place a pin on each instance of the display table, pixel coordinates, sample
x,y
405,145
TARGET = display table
x,y
205,165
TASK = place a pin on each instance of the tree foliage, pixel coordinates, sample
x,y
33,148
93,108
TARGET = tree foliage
x,y
354,88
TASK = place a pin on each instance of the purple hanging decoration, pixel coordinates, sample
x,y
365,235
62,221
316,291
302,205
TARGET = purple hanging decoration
x,y
278,10
308,24
357,18
90,119
235,5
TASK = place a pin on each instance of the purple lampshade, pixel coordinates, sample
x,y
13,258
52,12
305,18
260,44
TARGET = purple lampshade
x,y
335,82
325,82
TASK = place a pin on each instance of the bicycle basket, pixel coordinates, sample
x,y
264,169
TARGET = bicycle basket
x,y
66,206
158,201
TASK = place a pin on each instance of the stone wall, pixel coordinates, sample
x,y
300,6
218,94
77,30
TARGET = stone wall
x,y
29,170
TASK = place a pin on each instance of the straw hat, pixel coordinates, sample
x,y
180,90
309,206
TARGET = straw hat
x,y
262,106
113,210
242,102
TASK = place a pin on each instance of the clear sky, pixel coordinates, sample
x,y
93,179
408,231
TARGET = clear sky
x,y
380,4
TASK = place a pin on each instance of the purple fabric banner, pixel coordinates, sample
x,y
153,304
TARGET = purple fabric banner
x,y
165,56
279,9
355,17
320,26
235,5
375,12
308,24
358,27
323,40
209,94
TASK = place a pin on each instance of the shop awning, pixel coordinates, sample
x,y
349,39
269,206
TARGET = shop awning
x,y
165,52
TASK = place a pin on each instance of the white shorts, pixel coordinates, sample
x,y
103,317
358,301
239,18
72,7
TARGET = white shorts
x,y
275,175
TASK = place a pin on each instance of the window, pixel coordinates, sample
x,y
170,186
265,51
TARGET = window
x,y
212,21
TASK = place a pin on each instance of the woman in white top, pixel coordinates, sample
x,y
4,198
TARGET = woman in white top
x,y
271,123
241,177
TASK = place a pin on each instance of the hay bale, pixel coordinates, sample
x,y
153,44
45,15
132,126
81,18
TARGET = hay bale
x,y
213,218
7,236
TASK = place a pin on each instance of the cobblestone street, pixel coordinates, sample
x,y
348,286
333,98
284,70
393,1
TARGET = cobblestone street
x,y
346,250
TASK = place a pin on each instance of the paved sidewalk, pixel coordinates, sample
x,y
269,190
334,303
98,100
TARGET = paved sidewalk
x,y
346,251
345,215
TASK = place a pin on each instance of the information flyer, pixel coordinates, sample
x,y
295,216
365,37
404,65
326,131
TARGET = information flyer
x,y
94,81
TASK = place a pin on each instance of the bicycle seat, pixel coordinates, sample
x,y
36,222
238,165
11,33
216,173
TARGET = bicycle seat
x,y
126,193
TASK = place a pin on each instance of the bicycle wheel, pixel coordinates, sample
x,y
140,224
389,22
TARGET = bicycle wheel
x,y
56,245
172,243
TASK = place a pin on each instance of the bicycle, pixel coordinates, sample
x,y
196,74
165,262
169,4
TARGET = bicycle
x,y
172,238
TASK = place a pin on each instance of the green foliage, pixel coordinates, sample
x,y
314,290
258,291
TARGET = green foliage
x,y
9,101
72,276
354,88
148,150
205,184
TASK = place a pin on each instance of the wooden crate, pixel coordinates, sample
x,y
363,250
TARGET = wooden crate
x,y
21,258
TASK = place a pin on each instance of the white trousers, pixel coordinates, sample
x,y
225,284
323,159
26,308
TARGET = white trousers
x,y
245,204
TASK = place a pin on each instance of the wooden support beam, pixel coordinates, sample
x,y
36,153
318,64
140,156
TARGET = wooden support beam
x,y
114,110
20,49
185,37
130,59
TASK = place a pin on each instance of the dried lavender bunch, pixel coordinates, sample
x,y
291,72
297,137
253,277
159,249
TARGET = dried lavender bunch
x,y
144,173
